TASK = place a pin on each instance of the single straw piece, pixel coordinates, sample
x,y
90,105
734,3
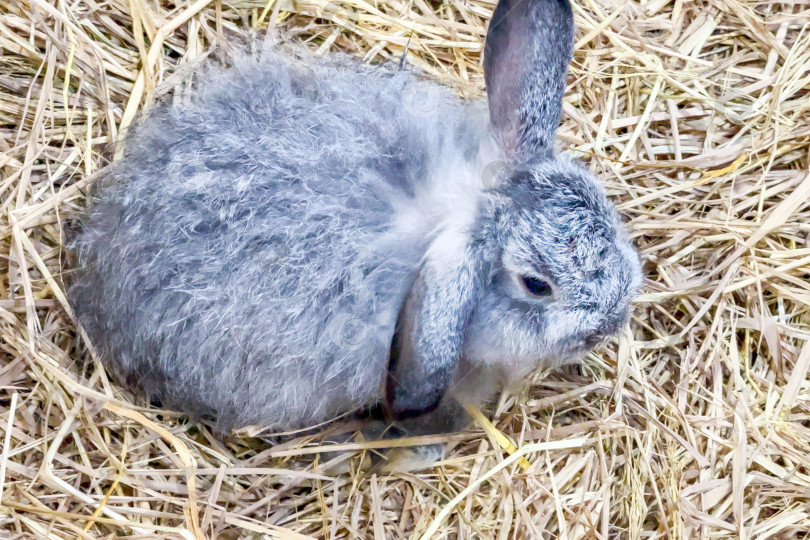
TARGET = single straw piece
x,y
494,432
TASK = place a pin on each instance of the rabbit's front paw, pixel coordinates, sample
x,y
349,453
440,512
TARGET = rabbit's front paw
x,y
412,458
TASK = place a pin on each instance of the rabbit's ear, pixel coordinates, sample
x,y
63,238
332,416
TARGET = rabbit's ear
x,y
528,48
430,331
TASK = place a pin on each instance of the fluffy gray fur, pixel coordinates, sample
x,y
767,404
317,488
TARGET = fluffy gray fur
x,y
266,245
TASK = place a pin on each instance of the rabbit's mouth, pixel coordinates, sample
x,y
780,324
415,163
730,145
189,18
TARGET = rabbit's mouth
x,y
576,349
595,341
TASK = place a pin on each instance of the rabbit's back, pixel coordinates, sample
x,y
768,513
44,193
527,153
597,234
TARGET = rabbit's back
x,y
242,261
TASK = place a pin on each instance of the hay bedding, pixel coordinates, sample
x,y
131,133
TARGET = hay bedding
x,y
695,424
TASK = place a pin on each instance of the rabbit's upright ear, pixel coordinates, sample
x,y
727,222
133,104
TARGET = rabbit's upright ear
x,y
528,48
432,322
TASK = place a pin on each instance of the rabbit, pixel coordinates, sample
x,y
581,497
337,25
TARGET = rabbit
x,y
303,237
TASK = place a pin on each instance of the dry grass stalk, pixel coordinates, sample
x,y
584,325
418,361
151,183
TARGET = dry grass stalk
x,y
697,425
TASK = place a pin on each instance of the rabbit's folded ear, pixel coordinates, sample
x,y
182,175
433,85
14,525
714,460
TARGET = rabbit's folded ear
x,y
528,48
430,331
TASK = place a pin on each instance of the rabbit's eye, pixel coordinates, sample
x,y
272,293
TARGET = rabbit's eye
x,y
535,286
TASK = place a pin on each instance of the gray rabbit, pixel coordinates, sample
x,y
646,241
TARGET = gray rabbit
x,y
306,237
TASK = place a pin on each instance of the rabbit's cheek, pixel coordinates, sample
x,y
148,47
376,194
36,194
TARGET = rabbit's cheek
x,y
508,347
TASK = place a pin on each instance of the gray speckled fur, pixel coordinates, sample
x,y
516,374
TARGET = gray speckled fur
x,y
248,257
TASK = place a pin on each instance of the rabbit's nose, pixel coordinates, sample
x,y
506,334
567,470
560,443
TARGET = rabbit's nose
x,y
600,334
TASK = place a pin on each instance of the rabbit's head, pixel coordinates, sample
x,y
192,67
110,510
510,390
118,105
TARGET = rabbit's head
x,y
560,275
542,270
